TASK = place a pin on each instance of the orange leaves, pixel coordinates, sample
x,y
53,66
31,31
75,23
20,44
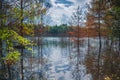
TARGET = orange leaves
x,y
71,33
41,30
88,32
10,62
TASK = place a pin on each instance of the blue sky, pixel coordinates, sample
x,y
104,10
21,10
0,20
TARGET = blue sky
x,y
62,10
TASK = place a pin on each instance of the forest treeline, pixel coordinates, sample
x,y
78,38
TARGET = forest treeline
x,y
64,31
61,30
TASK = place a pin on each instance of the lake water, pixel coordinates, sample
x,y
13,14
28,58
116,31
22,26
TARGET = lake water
x,y
55,58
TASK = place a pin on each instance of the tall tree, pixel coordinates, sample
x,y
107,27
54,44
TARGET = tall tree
x,y
103,18
96,21
77,22
10,34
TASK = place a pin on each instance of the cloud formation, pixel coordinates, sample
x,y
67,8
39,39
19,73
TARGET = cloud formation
x,y
62,10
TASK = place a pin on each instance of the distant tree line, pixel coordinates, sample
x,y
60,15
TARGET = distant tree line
x,y
56,30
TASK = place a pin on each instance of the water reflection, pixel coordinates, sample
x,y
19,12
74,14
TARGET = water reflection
x,y
54,58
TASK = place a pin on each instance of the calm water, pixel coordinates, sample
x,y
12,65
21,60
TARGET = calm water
x,y
54,58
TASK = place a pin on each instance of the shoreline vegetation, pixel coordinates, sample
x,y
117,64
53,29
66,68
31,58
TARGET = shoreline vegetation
x,y
69,32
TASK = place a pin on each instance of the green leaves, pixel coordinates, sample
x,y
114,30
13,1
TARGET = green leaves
x,y
116,19
5,34
12,57
11,37
116,11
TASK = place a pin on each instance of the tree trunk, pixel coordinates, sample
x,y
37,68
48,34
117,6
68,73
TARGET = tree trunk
x,y
100,43
78,50
88,45
1,55
0,28
9,72
119,46
22,73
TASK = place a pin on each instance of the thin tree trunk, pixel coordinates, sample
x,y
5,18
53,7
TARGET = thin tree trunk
x,y
88,45
22,73
0,28
119,46
78,53
39,60
78,46
9,72
1,55
1,51
100,43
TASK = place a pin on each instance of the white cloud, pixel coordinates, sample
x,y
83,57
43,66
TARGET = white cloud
x,y
58,10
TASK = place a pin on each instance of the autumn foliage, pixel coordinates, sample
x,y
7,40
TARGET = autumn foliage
x,y
88,32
